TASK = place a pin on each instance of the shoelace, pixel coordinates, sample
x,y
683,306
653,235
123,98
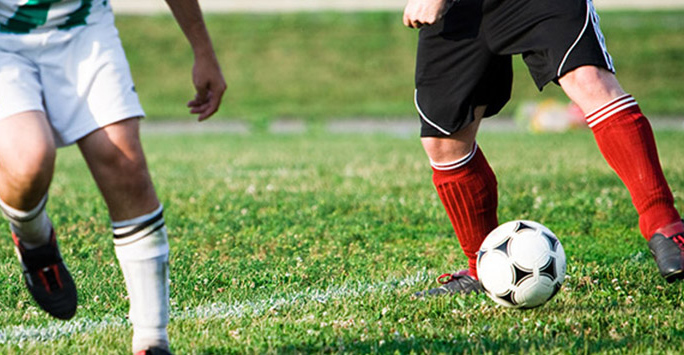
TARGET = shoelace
x,y
679,239
50,278
450,277
461,280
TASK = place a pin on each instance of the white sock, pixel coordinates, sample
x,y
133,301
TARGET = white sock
x,y
33,228
142,247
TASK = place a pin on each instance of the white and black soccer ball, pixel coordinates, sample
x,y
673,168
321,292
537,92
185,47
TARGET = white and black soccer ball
x,y
521,264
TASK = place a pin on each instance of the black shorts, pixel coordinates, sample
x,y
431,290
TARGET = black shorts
x,y
464,60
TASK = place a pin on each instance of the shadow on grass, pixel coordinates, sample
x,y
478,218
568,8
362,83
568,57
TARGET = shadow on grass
x,y
462,344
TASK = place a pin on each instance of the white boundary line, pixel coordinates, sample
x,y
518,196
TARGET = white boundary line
x,y
17,335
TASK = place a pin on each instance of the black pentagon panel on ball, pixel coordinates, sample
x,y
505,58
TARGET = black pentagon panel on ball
x,y
549,269
508,297
522,226
503,247
520,274
553,241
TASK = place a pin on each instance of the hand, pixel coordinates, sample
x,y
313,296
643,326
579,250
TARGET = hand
x,y
419,13
209,84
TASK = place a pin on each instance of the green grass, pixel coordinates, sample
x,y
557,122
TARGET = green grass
x,y
322,65
331,225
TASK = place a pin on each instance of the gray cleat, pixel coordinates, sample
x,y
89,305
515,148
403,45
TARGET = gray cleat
x,y
460,282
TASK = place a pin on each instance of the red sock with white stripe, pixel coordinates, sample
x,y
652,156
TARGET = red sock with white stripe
x,y
468,190
625,139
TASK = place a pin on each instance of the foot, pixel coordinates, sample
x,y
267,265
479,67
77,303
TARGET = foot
x,y
460,282
47,278
154,351
667,247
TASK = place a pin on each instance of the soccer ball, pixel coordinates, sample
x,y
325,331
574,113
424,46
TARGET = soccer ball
x,y
521,264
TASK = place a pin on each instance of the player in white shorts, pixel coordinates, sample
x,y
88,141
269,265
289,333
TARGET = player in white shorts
x,y
64,79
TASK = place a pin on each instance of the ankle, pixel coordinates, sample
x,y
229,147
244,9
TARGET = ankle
x,y
671,229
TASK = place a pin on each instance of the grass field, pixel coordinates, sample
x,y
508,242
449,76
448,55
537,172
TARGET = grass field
x,y
340,65
294,243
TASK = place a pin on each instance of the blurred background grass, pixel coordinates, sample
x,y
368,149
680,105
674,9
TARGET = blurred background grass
x,y
316,66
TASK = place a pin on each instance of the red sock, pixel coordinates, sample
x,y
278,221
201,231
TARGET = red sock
x,y
625,139
467,188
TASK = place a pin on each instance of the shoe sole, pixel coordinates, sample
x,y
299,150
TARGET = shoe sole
x,y
674,276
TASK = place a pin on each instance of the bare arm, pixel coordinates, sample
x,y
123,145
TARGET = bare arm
x,y
419,13
206,72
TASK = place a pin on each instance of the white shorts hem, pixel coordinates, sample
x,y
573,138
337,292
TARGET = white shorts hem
x,y
69,138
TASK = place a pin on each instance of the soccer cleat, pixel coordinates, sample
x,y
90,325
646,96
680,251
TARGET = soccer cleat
x,y
460,282
667,247
154,351
47,278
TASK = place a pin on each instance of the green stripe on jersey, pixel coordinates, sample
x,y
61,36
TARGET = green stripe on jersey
x,y
78,17
34,14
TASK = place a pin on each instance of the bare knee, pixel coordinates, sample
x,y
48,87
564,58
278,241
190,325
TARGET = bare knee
x,y
38,164
28,178
27,158
443,150
456,146
590,87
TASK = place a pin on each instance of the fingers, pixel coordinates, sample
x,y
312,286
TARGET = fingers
x,y
209,108
206,102
203,107
202,92
420,13
407,20
412,23
198,106
410,18
416,23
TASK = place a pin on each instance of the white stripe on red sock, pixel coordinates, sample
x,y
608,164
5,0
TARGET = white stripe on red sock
x,y
457,163
611,108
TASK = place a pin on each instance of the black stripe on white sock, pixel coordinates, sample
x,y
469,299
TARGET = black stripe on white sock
x,y
129,233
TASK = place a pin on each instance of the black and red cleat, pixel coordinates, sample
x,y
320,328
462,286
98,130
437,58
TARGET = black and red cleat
x,y
667,247
47,278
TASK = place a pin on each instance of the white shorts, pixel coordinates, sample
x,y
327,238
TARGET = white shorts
x,y
80,78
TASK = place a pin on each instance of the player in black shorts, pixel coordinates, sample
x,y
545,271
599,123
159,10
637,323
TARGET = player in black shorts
x,y
464,73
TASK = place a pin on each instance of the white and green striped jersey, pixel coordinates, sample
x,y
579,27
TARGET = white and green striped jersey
x,y
25,16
